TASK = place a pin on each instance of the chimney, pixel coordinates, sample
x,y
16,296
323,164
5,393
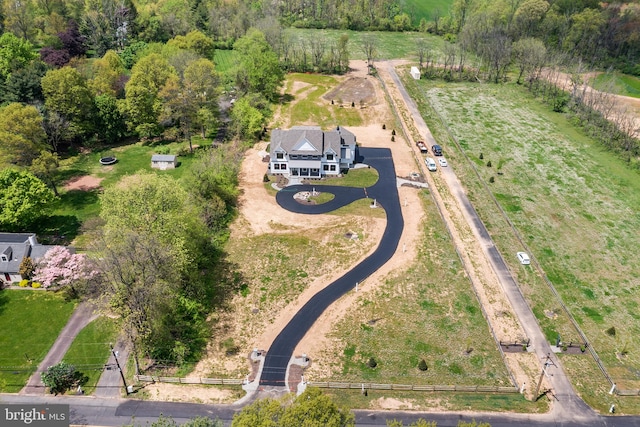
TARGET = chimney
x,y
33,241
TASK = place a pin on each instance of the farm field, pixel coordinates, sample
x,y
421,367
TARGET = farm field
x,y
43,315
389,45
419,9
573,204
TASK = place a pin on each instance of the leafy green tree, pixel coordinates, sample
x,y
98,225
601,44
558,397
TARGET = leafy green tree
x,y
22,136
247,119
261,413
586,30
259,69
62,377
66,93
19,17
143,105
315,409
27,268
45,167
23,199
195,41
529,55
110,125
15,53
186,99
23,84
108,73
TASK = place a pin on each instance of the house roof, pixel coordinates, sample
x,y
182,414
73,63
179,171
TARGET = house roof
x,y
163,158
310,140
17,246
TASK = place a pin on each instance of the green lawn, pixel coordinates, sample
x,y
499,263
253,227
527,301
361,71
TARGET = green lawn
x,y
619,84
224,60
30,322
91,349
574,204
390,45
419,9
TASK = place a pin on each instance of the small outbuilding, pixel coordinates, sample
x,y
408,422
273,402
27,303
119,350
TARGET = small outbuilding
x,y
164,161
415,73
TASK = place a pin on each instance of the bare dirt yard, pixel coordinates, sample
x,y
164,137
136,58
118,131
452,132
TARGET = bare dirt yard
x,y
83,183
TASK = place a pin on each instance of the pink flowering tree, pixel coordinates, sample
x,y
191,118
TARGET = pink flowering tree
x,y
59,267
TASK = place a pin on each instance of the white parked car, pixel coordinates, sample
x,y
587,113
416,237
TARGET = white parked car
x,y
443,162
431,164
523,257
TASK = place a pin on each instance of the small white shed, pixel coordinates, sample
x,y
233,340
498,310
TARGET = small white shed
x,y
163,161
415,73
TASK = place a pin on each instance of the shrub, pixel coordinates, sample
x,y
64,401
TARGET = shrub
x,y
489,164
393,132
265,178
24,283
423,365
384,126
611,331
36,285
372,363
353,104
481,156
492,180
393,138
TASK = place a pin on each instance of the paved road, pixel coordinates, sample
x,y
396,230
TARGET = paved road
x,y
80,318
385,193
568,402
91,411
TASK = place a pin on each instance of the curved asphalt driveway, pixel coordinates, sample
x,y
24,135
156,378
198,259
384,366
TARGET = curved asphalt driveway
x,y
386,194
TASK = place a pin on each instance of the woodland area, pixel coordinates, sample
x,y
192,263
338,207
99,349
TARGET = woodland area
x,y
81,76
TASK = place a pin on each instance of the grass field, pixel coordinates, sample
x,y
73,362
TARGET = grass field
x,y
573,204
619,84
91,350
389,45
427,312
419,9
30,322
224,60
74,207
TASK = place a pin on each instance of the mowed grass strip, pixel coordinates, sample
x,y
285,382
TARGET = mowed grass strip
x,y
619,84
428,311
30,322
574,204
91,349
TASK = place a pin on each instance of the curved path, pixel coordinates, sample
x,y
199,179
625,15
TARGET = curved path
x,y
385,192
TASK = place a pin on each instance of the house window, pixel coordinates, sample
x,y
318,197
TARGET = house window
x,y
293,157
315,172
283,166
279,155
304,157
333,167
276,166
325,167
329,156
4,258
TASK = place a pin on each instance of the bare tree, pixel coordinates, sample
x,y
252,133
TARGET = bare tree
x,y
370,49
421,50
318,47
529,55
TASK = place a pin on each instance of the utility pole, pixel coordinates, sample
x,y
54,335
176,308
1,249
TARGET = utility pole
x,y
115,356
547,362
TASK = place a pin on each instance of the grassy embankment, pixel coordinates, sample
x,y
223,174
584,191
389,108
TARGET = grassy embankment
x,y
570,200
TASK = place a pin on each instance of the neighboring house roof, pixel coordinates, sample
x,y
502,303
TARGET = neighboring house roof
x,y
163,158
16,246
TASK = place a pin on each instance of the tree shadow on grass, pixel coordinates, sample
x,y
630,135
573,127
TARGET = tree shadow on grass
x,y
4,299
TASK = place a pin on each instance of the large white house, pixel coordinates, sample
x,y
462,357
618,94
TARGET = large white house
x,y
310,152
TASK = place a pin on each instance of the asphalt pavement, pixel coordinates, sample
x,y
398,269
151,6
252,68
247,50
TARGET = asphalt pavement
x,y
385,193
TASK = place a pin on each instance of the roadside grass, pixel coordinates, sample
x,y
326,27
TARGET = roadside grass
x,y
619,84
309,108
572,202
427,311
322,198
90,350
389,45
430,401
30,322
419,9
